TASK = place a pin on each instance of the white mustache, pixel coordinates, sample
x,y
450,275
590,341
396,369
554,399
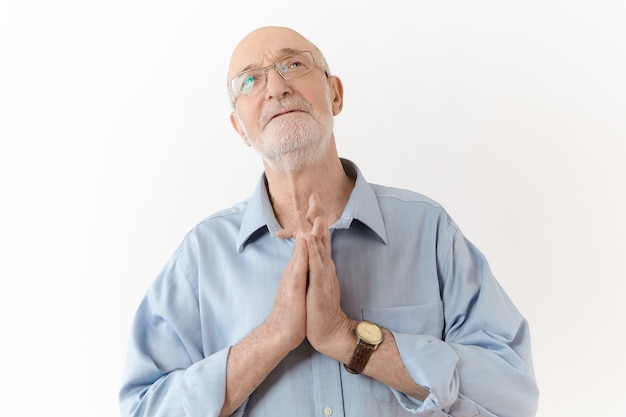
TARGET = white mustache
x,y
283,105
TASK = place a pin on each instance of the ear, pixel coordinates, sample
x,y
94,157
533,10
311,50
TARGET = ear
x,y
237,124
336,93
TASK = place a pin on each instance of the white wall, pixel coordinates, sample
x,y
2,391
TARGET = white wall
x,y
115,141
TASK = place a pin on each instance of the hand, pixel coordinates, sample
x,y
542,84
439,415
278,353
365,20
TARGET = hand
x,y
325,318
288,316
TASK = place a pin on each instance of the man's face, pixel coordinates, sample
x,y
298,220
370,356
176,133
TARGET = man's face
x,y
289,122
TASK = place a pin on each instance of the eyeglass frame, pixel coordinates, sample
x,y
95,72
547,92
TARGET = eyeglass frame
x,y
234,96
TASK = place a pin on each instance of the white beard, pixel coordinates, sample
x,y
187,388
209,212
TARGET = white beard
x,y
293,141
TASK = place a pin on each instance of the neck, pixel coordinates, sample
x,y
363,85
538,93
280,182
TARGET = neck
x,y
290,190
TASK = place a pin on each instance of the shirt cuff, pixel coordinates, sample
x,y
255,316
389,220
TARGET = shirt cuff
x,y
203,387
432,364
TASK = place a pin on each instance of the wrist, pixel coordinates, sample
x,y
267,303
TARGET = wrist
x,y
339,343
279,338
368,337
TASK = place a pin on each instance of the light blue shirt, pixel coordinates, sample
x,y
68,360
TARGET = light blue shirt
x,y
402,263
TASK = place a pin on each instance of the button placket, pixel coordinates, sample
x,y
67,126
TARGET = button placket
x,y
327,382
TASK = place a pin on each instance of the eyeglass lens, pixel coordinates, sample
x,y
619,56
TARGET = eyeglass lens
x,y
292,66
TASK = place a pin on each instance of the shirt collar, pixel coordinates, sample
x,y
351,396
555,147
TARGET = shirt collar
x,y
362,206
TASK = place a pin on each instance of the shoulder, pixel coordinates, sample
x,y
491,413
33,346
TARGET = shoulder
x,y
213,234
231,214
219,228
402,198
401,195
412,208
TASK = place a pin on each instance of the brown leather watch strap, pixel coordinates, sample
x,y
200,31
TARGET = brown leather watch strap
x,y
360,357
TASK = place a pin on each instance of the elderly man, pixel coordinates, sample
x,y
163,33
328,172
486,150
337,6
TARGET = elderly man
x,y
322,294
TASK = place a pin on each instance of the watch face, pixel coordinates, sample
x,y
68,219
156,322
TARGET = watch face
x,y
369,332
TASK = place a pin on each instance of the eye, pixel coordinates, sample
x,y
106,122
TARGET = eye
x,y
246,83
293,64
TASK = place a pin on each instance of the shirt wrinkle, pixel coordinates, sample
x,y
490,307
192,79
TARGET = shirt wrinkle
x,y
362,205
424,275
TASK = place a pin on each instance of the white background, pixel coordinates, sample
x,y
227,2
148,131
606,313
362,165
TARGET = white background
x,y
115,141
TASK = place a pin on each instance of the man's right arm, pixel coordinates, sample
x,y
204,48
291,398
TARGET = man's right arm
x,y
167,372
252,359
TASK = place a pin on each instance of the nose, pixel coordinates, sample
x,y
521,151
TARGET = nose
x,y
276,86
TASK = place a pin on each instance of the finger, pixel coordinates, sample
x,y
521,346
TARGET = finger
x,y
316,208
298,263
286,233
322,235
297,272
318,245
300,255
315,258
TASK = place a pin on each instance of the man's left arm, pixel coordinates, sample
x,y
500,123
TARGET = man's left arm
x,y
482,365
331,332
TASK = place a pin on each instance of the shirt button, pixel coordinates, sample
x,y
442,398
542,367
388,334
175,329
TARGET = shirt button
x,y
328,411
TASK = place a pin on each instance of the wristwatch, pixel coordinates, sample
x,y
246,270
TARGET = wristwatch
x,y
368,337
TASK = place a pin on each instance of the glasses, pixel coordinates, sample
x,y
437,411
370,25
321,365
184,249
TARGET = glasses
x,y
254,80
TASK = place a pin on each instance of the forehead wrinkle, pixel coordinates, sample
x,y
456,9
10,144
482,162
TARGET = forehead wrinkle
x,y
261,45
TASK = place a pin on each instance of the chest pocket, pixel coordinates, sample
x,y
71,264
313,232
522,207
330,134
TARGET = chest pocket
x,y
423,319
416,319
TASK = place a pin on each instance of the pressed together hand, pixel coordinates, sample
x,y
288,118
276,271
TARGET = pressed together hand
x,y
307,301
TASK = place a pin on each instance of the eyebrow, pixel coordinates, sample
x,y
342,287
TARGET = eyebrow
x,y
280,53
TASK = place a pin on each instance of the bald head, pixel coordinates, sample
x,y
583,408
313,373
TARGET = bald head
x,y
264,45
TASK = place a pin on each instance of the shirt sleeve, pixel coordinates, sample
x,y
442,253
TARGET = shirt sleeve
x,y
483,364
166,371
